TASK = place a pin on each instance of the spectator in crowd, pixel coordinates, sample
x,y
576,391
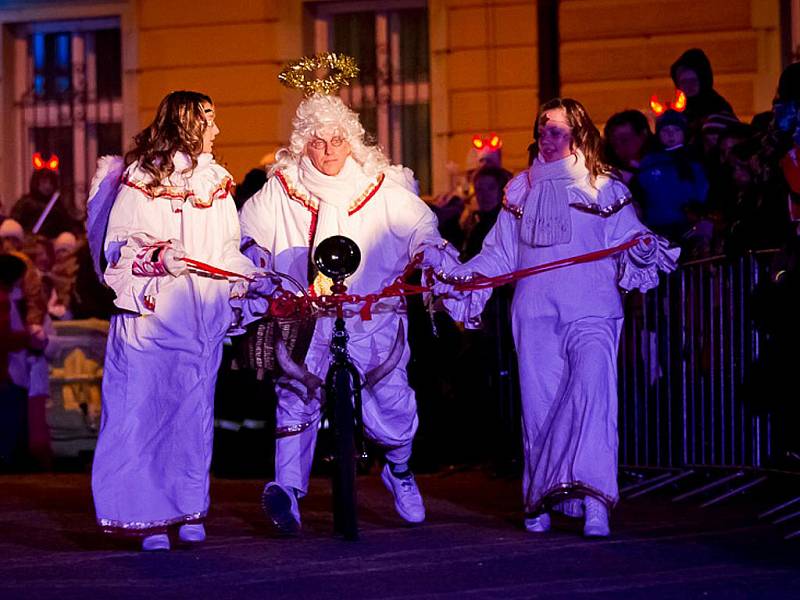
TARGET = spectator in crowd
x,y
65,271
44,184
628,139
760,217
712,128
253,181
12,239
670,182
14,338
489,183
692,74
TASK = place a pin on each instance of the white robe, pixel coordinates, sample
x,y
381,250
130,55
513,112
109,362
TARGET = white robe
x,y
151,466
390,225
566,325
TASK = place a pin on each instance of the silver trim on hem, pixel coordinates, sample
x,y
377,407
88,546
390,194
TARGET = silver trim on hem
x,y
112,526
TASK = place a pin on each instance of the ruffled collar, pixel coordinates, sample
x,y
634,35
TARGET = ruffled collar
x,y
200,186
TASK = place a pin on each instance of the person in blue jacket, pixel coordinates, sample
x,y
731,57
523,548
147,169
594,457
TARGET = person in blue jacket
x,y
671,186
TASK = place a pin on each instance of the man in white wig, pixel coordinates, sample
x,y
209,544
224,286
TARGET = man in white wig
x,y
330,182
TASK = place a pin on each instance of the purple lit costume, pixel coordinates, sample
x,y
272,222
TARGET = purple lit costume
x,y
151,466
567,322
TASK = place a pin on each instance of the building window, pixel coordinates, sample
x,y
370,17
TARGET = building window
x,y
392,92
69,99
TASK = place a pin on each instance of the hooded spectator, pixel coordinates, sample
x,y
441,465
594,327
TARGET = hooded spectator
x,y
692,74
44,183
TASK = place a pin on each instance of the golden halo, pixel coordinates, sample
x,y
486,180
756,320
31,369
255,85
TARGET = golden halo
x,y
342,69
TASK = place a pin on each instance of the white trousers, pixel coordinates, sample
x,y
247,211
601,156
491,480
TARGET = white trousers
x,y
389,409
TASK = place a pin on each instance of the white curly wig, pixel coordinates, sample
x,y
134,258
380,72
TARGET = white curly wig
x,y
325,113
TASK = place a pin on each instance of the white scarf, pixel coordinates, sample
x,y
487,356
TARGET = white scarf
x,y
546,219
335,194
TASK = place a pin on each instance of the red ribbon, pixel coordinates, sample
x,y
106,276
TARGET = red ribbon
x,y
201,266
482,282
401,288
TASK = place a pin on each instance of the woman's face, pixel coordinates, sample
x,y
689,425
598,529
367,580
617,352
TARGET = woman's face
x,y
555,135
327,151
212,130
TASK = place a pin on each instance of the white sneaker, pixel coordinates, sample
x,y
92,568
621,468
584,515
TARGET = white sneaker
x,y
281,508
571,507
192,533
159,541
407,499
596,524
538,524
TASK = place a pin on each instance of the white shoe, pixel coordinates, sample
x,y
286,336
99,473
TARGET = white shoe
x,y
159,541
596,524
538,524
571,507
192,533
407,499
281,508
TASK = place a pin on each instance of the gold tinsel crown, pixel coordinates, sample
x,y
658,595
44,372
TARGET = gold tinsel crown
x,y
341,69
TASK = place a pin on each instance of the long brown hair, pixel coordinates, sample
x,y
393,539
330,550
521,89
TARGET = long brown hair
x,y
178,126
584,133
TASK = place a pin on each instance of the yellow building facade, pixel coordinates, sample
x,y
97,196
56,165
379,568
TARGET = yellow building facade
x,y
478,74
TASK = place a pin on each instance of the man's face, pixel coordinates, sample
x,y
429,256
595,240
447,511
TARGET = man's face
x,y
687,81
627,144
327,151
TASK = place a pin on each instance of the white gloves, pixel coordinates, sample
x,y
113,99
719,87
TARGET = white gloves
x,y
262,285
261,257
171,258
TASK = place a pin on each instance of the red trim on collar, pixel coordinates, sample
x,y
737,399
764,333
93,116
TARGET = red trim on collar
x,y
294,195
361,203
221,190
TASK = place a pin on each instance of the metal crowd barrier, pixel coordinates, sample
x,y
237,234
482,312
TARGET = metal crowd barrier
x,y
686,353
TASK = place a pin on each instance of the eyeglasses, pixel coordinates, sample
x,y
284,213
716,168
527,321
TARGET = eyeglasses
x,y
319,144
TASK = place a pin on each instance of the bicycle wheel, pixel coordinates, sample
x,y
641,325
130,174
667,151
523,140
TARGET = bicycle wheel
x,y
345,518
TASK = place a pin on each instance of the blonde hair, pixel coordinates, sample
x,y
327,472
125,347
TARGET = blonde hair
x,y
319,113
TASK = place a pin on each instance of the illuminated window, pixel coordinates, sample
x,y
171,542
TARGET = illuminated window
x,y
392,93
69,98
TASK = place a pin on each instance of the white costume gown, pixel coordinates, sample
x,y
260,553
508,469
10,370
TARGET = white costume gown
x,y
151,466
566,325
391,225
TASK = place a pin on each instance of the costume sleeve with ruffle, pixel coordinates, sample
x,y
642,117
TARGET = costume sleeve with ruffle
x,y
415,222
638,267
258,221
134,270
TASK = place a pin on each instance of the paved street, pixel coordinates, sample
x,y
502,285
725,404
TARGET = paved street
x,y
471,547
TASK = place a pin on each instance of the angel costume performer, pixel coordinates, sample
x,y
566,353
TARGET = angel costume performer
x,y
151,466
566,323
371,203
